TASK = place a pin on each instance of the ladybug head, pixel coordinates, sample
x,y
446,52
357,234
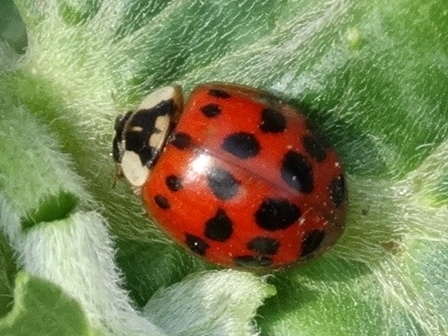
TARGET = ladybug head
x,y
141,135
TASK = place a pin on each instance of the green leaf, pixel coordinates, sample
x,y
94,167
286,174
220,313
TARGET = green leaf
x,y
209,304
77,254
41,308
12,28
50,209
8,269
373,75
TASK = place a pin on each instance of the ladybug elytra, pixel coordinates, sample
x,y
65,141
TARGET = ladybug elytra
x,y
236,176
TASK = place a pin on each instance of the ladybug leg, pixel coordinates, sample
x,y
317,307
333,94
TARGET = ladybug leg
x,y
137,190
117,176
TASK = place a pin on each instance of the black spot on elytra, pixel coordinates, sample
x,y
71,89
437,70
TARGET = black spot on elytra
x,y
253,261
242,145
196,244
162,202
180,140
337,190
272,121
264,245
268,99
317,133
219,227
276,214
311,242
211,110
218,93
314,148
173,182
297,172
223,185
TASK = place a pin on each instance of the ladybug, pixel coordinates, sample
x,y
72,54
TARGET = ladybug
x,y
236,176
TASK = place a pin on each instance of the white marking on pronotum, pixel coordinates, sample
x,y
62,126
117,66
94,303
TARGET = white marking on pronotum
x,y
133,170
153,99
162,126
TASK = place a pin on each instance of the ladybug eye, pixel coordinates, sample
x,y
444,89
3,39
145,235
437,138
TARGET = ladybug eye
x,y
117,122
120,122
116,150
117,142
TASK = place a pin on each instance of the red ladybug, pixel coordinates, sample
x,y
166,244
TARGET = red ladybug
x,y
236,176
